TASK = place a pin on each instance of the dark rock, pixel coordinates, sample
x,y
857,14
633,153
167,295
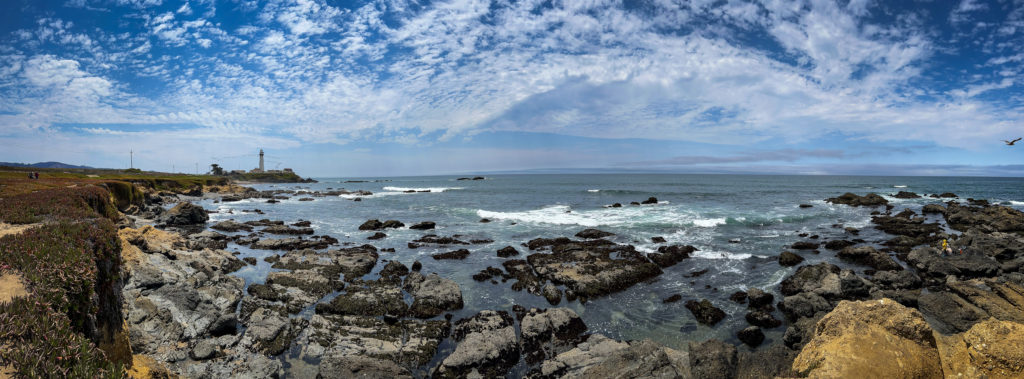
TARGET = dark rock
x,y
933,208
868,256
417,266
902,279
552,294
762,319
789,259
804,304
485,220
185,213
231,226
996,218
854,200
593,234
948,194
393,224
289,244
751,335
805,245
434,239
376,298
705,312
487,274
838,244
589,269
757,299
650,200
457,254
906,195
805,206
657,239
672,299
302,224
371,225
930,262
377,236
394,270
425,225
694,274
739,297
807,278
617,205
281,229
712,359
250,260
264,222
507,251
668,256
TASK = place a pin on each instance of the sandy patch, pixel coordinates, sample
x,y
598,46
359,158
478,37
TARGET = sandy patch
x,y
6,229
11,286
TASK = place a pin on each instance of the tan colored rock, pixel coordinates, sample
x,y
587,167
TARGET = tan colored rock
x,y
870,339
990,349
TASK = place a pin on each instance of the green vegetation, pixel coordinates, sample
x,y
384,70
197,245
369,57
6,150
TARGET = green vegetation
x,y
71,265
57,203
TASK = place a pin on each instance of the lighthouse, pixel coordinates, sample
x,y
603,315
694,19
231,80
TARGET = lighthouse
x,y
261,160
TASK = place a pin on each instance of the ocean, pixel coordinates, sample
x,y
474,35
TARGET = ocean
x,y
739,223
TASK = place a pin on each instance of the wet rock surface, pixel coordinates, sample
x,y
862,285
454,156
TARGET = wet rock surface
x,y
855,200
487,346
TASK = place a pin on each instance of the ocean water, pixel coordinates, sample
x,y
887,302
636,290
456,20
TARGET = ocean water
x,y
709,212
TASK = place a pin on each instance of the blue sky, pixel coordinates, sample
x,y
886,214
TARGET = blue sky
x,y
395,87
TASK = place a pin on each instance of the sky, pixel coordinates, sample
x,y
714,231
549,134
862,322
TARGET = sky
x,y
395,87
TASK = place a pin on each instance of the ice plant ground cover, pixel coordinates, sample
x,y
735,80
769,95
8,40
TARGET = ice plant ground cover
x,y
71,264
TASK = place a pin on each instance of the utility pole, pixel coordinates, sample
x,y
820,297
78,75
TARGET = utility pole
x,y
131,158
172,169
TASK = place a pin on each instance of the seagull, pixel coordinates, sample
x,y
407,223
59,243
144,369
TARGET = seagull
x,y
1010,143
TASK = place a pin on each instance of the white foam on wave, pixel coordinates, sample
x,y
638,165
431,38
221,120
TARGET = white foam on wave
x,y
709,222
718,254
593,190
431,189
626,216
899,186
1017,203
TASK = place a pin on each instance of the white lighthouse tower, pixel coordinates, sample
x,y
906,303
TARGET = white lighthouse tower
x,y
261,160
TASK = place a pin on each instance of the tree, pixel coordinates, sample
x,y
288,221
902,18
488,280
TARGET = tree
x,y
215,169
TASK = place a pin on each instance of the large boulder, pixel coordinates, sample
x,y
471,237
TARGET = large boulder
x,y
875,338
990,349
547,333
788,259
705,312
183,214
432,295
868,256
487,346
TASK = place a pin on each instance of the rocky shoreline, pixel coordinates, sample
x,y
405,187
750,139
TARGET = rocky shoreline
x,y
322,313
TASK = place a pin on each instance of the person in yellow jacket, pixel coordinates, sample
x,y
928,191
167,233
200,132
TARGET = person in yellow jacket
x,y
946,250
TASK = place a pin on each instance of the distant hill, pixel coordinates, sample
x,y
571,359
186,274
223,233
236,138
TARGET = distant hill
x,y
42,165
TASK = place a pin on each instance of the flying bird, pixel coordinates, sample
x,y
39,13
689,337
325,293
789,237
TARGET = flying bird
x,y
1010,143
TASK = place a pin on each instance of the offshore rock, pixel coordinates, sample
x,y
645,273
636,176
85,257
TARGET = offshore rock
x,y
588,268
869,200
705,312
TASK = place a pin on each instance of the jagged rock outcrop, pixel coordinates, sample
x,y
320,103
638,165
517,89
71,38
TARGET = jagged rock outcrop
x,y
855,200
184,214
875,338
487,346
